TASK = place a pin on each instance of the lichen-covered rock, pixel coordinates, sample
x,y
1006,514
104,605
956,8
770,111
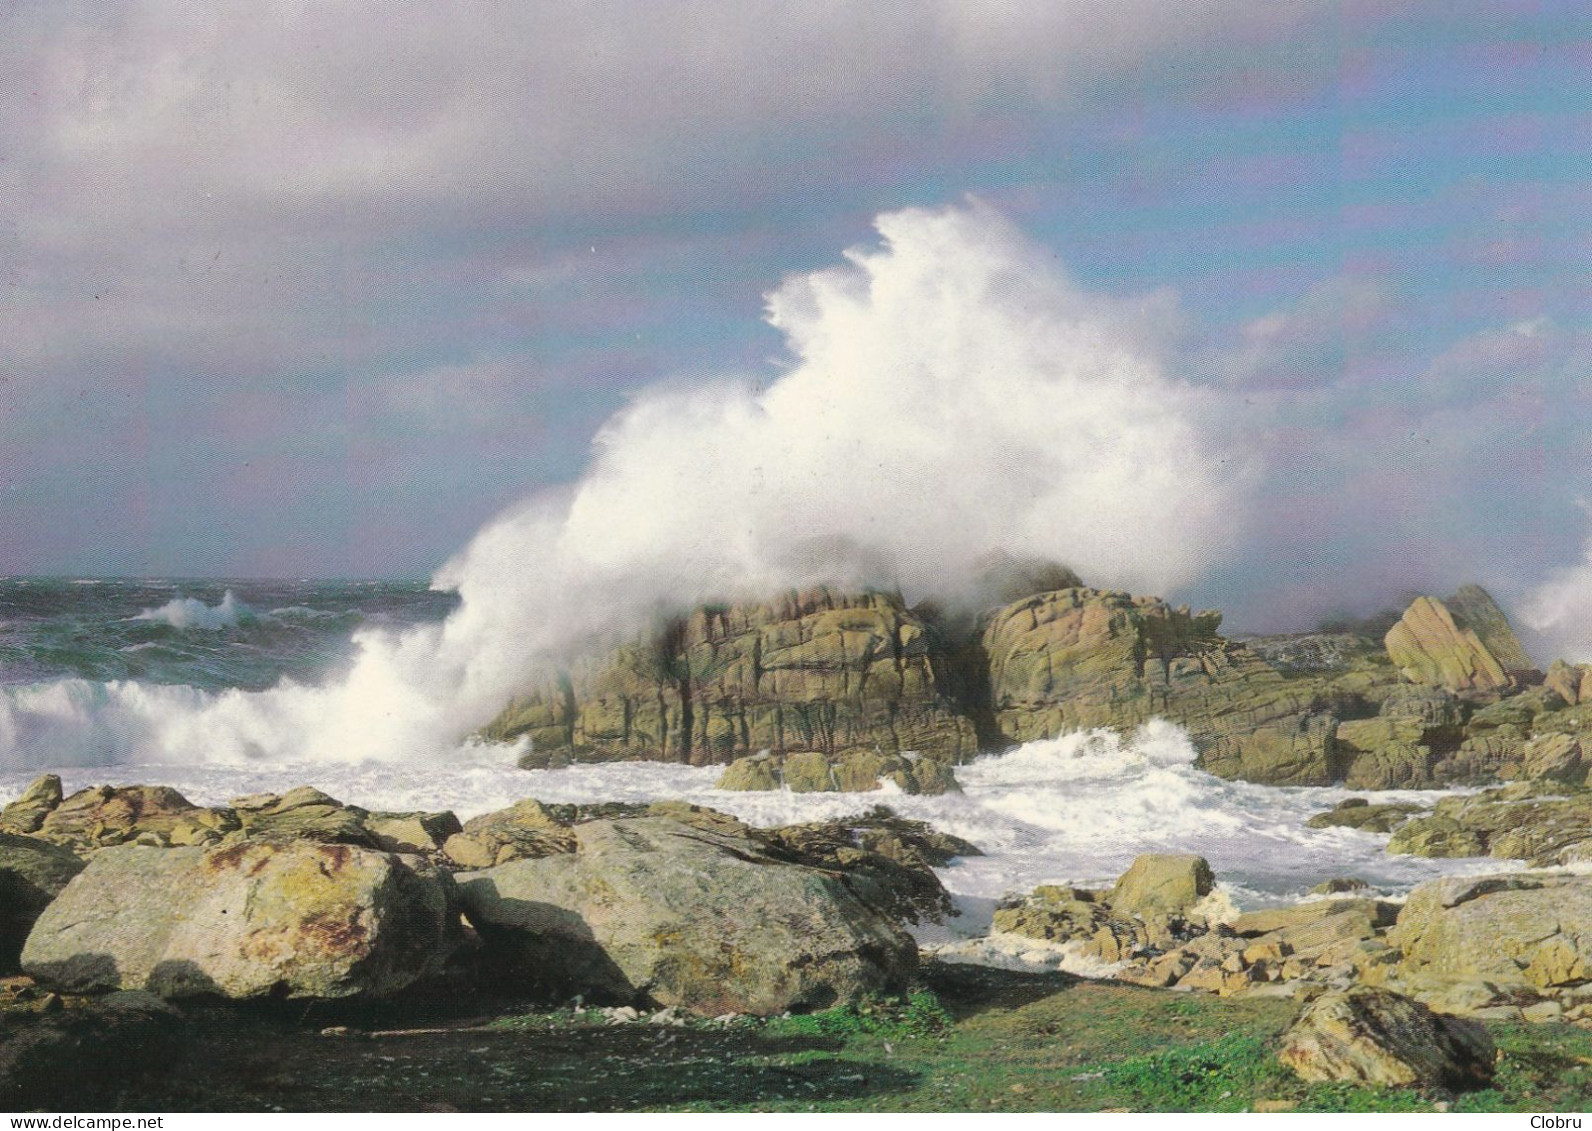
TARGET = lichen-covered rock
x,y
650,909
1540,822
27,812
250,919
1358,813
105,815
860,771
812,671
1072,915
32,873
1430,647
1083,658
1162,884
1526,929
1372,1036
524,830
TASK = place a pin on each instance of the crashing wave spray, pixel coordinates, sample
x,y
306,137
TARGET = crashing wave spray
x,y
949,392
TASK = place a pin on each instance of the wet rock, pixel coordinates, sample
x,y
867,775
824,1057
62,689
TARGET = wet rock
x,y
653,910
1540,822
1357,813
818,670
1373,1036
259,917
27,812
1162,884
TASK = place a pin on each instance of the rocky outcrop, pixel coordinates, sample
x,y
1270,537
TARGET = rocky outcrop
x,y
1083,658
860,771
525,830
1540,823
1358,813
255,918
1371,1036
159,816
27,812
656,910
818,671
32,873
825,691
1430,646
1528,932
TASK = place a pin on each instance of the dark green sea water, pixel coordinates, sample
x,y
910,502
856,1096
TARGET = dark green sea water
x,y
211,635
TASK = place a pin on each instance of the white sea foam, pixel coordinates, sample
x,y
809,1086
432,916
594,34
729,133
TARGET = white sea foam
x,y
949,392
1072,810
189,612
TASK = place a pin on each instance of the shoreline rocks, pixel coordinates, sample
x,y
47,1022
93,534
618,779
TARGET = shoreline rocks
x,y
294,918
652,909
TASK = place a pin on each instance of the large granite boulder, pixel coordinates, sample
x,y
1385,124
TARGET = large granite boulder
x,y
1373,1036
1429,646
32,873
255,918
525,829
1529,930
655,910
812,671
1162,884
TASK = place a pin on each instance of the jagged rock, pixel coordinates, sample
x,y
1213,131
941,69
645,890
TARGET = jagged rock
x,y
412,832
1571,682
1071,915
1339,885
250,919
1372,1036
887,862
1530,930
32,873
524,830
1555,757
1358,813
1473,607
651,909
27,812
1540,822
1162,884
89,1051
151,814
1083,658
813,671
1430,647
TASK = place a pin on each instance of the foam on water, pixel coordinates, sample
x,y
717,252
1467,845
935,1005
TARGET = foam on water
x,y
187,612
1072,810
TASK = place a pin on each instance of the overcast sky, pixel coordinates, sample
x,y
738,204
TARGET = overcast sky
x,y
316,289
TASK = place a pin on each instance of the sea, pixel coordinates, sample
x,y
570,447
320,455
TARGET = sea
x,y
101,677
